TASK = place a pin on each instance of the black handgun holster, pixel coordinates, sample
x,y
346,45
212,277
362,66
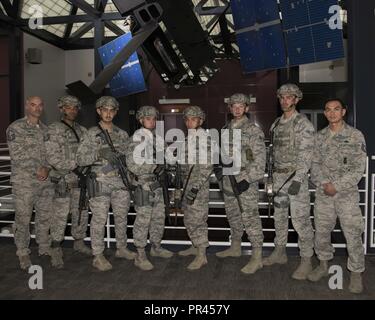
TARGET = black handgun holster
x,y
94,188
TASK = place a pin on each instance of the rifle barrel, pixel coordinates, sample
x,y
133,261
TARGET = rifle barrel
x,y
121,164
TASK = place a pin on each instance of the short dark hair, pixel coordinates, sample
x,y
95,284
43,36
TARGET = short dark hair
x,y
343,104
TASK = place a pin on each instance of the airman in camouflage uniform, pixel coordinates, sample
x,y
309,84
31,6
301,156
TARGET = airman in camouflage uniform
x,y
293,147
148,194
196,182
106,184
338,165
31,187
64,137
253,157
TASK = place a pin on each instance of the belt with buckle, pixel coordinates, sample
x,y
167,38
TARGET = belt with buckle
x,y
145,179
283,170
107,175
73,185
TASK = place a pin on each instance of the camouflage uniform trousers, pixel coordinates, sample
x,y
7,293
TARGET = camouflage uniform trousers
x,y
36,195
343,205
111,194
150,219
62,208
300,215
195,218
249,219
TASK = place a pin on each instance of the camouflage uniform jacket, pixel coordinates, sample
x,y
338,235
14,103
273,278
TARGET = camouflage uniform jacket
x,y
293,145
142,169
62,148
92,142
27,149
253,150
339,159
199,172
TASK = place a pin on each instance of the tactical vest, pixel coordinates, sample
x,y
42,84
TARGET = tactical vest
x,y
102,166
71,145
284,144
246,151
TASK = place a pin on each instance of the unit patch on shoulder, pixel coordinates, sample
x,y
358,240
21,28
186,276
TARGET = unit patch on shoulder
x,y
11,135
363,147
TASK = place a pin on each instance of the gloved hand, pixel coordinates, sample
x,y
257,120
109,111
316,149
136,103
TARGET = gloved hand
x,y
294,188
82,173
218,171
109,155
78,171
191,196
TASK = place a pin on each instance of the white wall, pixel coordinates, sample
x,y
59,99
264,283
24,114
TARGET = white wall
x,y
58,69
326,71
79,65
47,79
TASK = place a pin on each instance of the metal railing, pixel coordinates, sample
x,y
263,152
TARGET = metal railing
x,y
7,213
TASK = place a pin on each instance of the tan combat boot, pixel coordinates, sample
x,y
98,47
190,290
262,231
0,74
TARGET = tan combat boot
x,y
158,251
57,258
233,251
255,262
277,256
319,272
191,251
101,263
25,262
303,270
125,253
355,285
44,251
142,262
79,246
199,261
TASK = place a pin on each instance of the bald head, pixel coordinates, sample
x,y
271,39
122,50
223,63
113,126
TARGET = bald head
x,y
34,107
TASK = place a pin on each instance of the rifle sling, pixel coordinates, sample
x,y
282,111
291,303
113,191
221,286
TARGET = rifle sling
x,y
73,130
285,182
186,183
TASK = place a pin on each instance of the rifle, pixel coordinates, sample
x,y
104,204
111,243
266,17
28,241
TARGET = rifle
x,y
218,171
162,177
270,163
236,192
233,183
121,164
82,174
83,204
237,187
179,196
269,182
178,193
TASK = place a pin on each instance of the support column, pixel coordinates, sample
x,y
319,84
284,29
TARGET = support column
x,y
98,42
361,53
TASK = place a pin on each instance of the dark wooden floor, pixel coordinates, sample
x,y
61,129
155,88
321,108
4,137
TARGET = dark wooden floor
x,y
221,279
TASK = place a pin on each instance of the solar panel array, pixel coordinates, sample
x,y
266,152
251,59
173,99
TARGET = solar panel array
x,y
129,80
274,34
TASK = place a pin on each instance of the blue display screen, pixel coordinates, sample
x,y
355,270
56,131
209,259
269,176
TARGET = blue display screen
x,y
129,80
